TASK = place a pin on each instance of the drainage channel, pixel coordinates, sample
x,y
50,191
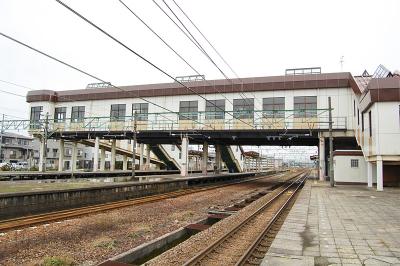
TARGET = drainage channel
x,y
152,249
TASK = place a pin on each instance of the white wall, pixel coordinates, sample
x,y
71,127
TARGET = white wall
x,y
341,102
343,172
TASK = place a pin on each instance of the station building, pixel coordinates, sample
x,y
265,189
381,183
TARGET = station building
x,y
292,109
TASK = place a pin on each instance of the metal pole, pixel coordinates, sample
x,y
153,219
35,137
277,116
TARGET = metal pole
x,y
45,134
1,138
134,144
331,178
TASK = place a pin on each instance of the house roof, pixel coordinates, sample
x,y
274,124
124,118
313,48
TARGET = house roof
x,y
14,135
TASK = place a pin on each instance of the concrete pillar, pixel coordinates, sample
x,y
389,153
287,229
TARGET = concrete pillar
x,y
102,159
96,154
205,158
61,151
141,158
321,158
185,156
41,155
113,154
218,159
369,172
124,162
147,166
74,156
379,175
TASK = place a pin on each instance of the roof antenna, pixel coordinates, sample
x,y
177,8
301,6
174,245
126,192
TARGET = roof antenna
x,y
341,63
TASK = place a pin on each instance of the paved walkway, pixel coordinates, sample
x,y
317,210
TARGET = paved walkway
x,y
345,225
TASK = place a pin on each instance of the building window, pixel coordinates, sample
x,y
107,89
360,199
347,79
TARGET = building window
x,y
354,108
243,108
36,112
358,116
172,147
362,121
305,106
370,123
78,113
142,111
188,110
274,107
60,113
354,163
118,112
215,109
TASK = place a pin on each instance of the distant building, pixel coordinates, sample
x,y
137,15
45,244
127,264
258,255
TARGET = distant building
x,y
84,156
15,148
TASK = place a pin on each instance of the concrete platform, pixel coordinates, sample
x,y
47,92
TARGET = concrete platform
x,y
18,204
345,225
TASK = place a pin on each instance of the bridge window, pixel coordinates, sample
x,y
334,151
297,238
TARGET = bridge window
x,y
142,111
362,121
274,107
78,113
188,110
305,106
215,109
36,111
243,108
370,123
118,112
60,113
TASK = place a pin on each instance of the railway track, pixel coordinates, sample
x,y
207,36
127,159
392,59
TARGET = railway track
x,y
26,221
247,243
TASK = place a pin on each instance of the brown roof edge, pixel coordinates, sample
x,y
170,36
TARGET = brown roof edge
x,y
314,81
41,95
381,90
348,153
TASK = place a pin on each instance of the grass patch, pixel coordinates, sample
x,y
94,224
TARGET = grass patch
x,y
106,243
139,231
57,261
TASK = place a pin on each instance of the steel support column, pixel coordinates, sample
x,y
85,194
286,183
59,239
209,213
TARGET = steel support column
x,y
96,154
205,158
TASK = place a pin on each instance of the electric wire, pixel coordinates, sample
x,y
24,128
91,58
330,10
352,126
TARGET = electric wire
x,y
170,47
82,71
197,44
145,60
213,47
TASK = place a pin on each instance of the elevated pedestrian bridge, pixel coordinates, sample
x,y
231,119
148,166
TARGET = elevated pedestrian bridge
x,y
228,127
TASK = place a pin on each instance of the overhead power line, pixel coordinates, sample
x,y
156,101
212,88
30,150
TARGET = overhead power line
x,y
12,93
159,37
215,50
146,60
213,47
80,70
191,37
170,47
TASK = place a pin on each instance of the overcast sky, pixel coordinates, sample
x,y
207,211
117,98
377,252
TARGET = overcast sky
x,y
257,38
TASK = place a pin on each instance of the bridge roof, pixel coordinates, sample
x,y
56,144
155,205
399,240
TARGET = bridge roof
x,y
253,84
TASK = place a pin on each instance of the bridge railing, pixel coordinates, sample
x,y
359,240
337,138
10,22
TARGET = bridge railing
x,y
316,119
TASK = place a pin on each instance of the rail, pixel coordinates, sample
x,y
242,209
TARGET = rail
x,y
209,249
31,220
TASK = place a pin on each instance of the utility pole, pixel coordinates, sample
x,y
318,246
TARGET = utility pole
x,y
331,178
1,137
134,144
45,136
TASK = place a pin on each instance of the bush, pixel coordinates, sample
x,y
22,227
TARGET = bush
x,y
34,168
57,261
5,167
